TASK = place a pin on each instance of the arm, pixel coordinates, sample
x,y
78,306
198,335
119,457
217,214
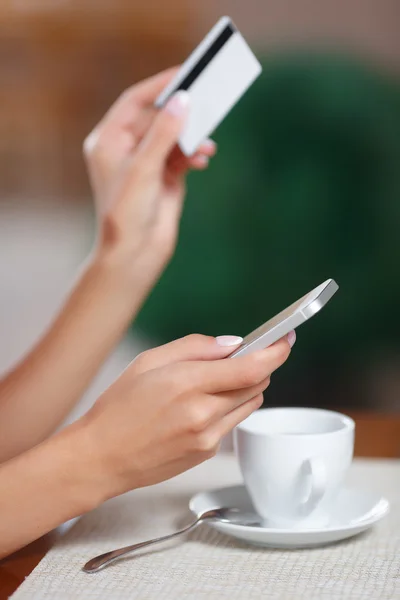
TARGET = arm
x,y
43,488
137,174
37,395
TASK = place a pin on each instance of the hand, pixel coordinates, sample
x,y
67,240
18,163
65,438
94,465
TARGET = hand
x,y
138,178
170,409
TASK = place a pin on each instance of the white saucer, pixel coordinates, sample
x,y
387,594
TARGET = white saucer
x,y
354,511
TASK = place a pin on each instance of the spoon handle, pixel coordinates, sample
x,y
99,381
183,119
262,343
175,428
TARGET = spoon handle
x,y
99,562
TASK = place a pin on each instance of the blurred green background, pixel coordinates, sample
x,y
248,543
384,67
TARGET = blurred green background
x,y
306,187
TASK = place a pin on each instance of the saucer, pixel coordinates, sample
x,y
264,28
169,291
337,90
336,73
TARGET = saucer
x,y
353,512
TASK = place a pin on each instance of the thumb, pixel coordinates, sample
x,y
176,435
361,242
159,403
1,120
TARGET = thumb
x,y
164,133
192,347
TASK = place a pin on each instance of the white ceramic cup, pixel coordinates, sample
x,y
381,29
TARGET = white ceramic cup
x,y
293,462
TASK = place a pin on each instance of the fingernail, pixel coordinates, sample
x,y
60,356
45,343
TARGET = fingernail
x,y
209,145
291,338
202,161
229,340
177,105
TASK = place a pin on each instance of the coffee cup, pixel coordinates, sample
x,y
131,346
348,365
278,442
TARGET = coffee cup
x,y
294,462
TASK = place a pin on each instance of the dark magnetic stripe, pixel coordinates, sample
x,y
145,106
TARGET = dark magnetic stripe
x,y
206,59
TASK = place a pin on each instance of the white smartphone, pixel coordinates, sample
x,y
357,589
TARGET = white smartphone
x,y
287,320
216,75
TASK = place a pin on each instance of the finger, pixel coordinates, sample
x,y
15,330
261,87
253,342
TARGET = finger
x,y
144,93
232,419
199,162
147,91
192,347
220,405
127,111
164,132
207,148
180,165
239,372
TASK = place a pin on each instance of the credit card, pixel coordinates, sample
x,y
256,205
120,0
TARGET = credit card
x,y
216,75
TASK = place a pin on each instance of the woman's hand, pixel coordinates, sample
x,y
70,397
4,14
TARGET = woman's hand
x,y
171,408
138,178
165,414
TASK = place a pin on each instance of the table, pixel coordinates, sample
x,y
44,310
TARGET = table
x,y
14,569
209,565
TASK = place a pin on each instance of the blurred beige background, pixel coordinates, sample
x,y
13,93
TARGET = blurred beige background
x,y
366,27
61,65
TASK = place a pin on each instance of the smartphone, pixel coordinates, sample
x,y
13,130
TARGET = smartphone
x,y
297,313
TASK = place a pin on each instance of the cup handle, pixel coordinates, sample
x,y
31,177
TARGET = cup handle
x,y
314,469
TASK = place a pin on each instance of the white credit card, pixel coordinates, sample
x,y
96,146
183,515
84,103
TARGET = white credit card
x,y
216,75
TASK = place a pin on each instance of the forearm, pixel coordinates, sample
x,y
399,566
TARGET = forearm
x,y
38,394
46,486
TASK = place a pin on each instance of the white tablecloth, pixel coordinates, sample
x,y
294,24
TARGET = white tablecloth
x,y
211,566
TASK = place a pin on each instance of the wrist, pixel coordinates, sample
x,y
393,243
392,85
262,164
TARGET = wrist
x,y
128,274
105,464
81,470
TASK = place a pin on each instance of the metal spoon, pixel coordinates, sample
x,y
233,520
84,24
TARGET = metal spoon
x,y
217,514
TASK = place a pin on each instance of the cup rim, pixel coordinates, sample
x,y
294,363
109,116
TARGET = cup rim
x,y
348,423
